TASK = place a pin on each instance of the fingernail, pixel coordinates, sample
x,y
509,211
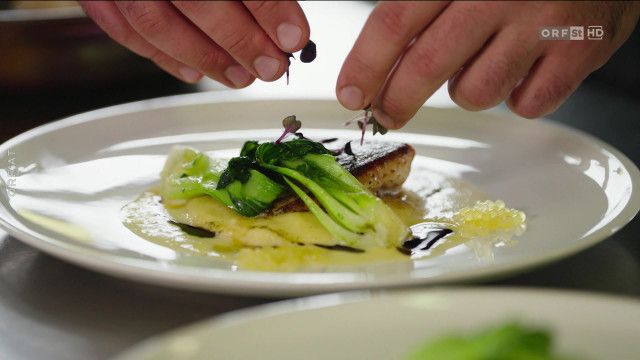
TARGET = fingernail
x,y
238,75
351,97
384,119
267,67
190,75
288,35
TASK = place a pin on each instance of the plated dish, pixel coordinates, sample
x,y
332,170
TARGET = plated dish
x,y
426,324
66,188
298,204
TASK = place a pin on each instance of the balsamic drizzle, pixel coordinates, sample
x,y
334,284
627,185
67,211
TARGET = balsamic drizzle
x,y
340,248
347,149
192,230
425,235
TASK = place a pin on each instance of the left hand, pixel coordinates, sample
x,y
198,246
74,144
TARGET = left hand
x,y
489,52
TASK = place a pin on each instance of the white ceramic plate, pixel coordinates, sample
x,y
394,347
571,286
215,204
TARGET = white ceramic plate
x,y
388,326
65,184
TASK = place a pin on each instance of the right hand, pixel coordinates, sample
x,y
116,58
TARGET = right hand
x,y
231,42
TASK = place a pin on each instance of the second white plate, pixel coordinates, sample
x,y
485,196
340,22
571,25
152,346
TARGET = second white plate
x,y
385,326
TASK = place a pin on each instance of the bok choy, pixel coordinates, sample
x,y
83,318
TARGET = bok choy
x,y
263,172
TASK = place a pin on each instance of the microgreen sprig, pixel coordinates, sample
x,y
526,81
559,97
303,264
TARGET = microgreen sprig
x,y
289,56
307,55
365,120
291,126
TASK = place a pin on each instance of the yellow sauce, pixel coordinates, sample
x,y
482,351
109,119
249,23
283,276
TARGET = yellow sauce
x,y
280,243
286,242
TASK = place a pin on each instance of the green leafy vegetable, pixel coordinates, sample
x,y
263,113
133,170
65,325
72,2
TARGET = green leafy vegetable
x,y
239,168
507,342
251,182
272,153
188,173
344,206
249,149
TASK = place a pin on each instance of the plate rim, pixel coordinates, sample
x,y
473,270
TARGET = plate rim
x,y
274,284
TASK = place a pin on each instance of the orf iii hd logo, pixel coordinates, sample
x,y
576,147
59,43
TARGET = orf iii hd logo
x,y
595,32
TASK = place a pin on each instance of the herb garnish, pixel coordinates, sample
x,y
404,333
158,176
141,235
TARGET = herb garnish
x,y
307,55
364,120
289,56
291,126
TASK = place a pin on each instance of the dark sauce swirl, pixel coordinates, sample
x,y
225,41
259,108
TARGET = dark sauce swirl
x,y
424,237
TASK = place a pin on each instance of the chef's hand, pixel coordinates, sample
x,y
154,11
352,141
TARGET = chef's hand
x,y
489,52
231,42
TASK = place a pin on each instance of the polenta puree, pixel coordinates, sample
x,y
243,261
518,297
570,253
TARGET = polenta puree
x,y
294,241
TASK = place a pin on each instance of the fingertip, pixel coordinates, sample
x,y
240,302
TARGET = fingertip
x,y
386,120
189,75
521,109
238,76
290,37
268,68
351,97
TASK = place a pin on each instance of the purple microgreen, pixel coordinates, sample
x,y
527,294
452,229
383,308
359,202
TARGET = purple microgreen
x,y
377,128
356,119
308,53
291,126
366,119
289,56
365,122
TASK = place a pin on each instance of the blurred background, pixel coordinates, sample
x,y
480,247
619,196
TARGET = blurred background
x,y
56,62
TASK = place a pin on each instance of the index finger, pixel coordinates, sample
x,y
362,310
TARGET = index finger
x,y
388,31
283,21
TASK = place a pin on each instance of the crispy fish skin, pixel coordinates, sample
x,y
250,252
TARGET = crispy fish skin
x,y
377,165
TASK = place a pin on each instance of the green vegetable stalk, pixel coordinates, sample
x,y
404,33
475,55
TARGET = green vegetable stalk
x,y
188,173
